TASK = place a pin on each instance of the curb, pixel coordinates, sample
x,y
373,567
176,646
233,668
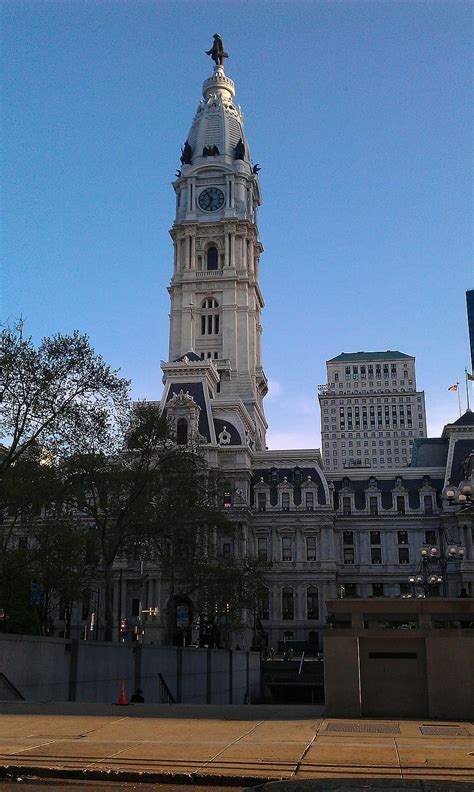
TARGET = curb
x,y
138,776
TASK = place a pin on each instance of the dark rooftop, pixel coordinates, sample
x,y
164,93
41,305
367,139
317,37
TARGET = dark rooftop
x,y
192,356
465,420
429,452
353,356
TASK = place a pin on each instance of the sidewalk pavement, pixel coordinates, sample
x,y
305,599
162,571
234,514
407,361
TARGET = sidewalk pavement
x,y
234,745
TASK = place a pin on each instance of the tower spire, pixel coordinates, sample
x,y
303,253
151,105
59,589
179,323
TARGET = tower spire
x,y
216,302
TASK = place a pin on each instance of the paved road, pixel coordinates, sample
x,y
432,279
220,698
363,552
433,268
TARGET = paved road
x,y
228,745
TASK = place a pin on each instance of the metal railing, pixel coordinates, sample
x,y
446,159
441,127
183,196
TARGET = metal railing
x,y
166,696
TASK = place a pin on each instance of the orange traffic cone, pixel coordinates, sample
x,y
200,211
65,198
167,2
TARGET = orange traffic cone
x,y
122,697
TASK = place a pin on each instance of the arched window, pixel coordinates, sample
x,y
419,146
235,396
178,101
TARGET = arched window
x,y
182,431
287,602
209,317
212,258
312,603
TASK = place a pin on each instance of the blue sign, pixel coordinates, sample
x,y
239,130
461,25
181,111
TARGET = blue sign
x,y
182,616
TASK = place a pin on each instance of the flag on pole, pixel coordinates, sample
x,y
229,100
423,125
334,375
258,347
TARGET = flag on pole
x,y
470,376
454,387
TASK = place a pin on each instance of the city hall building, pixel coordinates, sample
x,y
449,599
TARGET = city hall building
x,y
350,520
380,511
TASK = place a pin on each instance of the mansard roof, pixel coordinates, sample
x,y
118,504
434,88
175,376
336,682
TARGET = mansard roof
x,y
196,390
465,420
355,356
429,452
190,356
289,473
462,450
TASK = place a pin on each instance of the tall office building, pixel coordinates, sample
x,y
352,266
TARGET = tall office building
x,y
371,411
470,323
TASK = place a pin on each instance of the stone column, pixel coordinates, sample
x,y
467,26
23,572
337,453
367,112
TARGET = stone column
x,y
232,250
192,258
250,260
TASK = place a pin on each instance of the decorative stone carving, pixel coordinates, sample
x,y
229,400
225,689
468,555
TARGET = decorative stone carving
x,y
224,437
182,405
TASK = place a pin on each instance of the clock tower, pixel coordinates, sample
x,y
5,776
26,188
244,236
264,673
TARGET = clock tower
x,y
216,302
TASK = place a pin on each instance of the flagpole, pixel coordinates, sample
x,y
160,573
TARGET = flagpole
x,y
459,398
467,389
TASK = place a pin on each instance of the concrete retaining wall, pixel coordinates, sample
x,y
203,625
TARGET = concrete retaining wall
x,y
50,669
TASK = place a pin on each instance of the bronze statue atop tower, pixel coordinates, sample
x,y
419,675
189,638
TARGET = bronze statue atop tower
x,y
217,52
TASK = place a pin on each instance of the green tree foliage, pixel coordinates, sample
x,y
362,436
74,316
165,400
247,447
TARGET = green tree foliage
x,y
52,397
184,531
45,553
86,475
50,393
112,490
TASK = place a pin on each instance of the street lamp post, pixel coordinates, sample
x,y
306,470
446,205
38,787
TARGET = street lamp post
x,y
433,567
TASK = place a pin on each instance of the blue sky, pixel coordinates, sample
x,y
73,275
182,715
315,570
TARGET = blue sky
x,y
359,114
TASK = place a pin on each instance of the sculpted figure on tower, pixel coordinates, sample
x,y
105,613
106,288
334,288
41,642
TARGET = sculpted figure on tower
x,y
217,52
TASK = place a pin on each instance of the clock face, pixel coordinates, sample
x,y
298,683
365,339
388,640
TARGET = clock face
x,y
211,199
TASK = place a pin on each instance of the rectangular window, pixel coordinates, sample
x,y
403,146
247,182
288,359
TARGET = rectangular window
x,y
377,590
262,548
428,504
23,543
262,501
311,548
203,325
226,550
287,604
264,606
402,537
309,501
348,555
349,590
401,504
286,549
430,537
375,537
375,555
285,501
373,505
346,505
403,555
312,604
348,537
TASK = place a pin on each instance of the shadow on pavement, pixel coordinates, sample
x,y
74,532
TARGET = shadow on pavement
x,y
244,712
